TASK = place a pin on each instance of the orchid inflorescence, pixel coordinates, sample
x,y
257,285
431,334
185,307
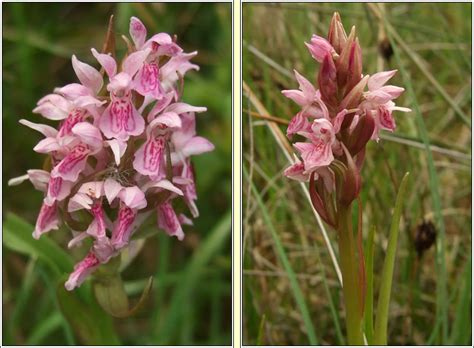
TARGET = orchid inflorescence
x,y
338,119
121,151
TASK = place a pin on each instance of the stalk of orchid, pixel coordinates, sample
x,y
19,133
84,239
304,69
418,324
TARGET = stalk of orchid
x,y
122,149
335,124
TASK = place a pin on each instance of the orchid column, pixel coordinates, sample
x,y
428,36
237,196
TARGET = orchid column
x,y
334,125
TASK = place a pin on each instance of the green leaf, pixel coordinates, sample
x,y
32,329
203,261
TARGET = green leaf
x,y
90,323
17,236
297,293
381,322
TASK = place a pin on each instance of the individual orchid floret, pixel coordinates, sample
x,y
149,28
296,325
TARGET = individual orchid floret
x,y
319,47
121,150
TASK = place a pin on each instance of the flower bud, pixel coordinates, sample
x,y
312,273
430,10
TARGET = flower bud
x,y
319,47
327,81
352,181
352,99
361,134
337,35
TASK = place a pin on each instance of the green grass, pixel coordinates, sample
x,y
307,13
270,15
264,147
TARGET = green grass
x,y
193,276
432,51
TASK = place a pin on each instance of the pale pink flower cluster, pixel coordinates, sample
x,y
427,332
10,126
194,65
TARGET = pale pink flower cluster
x,y
332,116
121,150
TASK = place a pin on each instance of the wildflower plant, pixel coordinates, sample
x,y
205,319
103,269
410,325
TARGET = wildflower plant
x,y
121,151
338,117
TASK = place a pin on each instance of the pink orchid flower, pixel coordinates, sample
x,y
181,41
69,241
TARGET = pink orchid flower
x,y
121,119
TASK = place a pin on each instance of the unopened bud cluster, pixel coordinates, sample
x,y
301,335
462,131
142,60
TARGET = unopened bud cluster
x,y
338,119
121,150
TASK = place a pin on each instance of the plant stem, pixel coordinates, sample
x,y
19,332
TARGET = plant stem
x,y
351,289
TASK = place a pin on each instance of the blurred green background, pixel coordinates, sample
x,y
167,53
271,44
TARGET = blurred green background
x,y
191,298
431,294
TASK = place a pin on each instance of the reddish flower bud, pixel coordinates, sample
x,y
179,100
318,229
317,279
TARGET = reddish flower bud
x,y
361,134
352,181
327,81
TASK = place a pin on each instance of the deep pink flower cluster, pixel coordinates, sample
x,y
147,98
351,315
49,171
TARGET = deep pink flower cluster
x,y
337,120
121,150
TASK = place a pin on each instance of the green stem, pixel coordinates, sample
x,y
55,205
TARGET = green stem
x,y
351,290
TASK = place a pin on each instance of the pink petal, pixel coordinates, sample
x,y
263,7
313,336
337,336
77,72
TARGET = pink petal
x,y
78,202
150,156
393,91
297,96
137,32
298,123
379,79
323,130
181,108
88,75
50,111
118,148
133,197
94,189
184,220
39,178
378,96
123,227
75,116
58,190
47,220
120,82
81,271
120,119
163,184
337,121
306,87
73,164
107,62
177,64
166,120
46,130
73,90
315,155
197,146
76,241
104,250
134,61
88,134
111,189
188,129
147,81
47,145
162,103
168,221
297,172
97,226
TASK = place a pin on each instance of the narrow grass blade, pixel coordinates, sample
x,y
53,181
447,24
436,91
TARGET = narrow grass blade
x,y
461,329
297,293
381,322
261,331
369,296
442,302
45,328
194,271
